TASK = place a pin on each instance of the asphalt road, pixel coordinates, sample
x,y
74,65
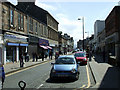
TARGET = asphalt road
x,y
38,77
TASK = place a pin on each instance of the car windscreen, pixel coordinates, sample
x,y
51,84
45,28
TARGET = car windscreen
x,y
79,55
65,60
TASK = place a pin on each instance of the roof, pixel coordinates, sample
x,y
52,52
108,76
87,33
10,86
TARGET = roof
x,y
72,56
33,10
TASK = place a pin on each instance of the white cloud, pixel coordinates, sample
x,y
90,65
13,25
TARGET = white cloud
x,y
71,27
45,6
13,1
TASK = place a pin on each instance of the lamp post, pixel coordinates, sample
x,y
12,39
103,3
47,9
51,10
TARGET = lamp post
x,y
83,29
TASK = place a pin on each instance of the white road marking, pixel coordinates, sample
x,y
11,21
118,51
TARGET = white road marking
x,y
39,86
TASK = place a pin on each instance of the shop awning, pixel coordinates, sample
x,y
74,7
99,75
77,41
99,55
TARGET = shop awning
x,y
13,44
49,47
21,44
43,47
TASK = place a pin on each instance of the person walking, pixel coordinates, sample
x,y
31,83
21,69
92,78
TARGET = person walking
x,y
21,61
46,54
50,54
33,54
103,55
56,55
36,55
42,54
2,75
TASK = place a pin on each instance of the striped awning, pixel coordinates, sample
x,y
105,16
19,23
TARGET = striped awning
x,y
44,47
49,47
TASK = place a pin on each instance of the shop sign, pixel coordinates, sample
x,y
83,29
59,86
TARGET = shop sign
x,y
16,38
43,42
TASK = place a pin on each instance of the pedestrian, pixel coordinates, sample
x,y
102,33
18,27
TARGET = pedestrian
x,y
50,54
21,61
42,54
36,55
2,75
46,54
56,55
103,55
27,57
33,54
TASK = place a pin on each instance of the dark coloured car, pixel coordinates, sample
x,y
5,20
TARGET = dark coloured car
x,y
65,66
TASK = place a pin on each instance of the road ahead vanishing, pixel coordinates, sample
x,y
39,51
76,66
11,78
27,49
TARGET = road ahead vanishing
x,y
38,77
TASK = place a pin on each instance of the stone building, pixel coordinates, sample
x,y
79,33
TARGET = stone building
x,y
26,28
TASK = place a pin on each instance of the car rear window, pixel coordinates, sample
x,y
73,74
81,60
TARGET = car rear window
x,y
65,60
79,55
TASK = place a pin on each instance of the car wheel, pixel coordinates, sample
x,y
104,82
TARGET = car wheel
x,y
77,76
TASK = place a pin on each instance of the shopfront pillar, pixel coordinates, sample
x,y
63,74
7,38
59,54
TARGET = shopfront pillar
x,y
26,49
4,55
17,54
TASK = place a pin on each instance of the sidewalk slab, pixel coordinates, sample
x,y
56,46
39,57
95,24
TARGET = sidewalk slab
x,y
105,75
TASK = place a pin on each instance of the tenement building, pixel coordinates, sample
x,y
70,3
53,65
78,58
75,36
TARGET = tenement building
x,y
26,28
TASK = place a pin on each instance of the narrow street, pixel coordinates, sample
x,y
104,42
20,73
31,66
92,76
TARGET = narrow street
x,y
38,77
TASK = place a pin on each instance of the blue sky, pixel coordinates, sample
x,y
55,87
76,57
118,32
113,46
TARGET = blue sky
x,y
67,14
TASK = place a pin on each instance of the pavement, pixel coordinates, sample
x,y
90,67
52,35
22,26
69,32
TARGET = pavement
x,y
13,67
104,74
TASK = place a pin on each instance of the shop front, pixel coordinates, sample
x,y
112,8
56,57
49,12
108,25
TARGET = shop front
x,y
14,46
111,42
33,45
44,46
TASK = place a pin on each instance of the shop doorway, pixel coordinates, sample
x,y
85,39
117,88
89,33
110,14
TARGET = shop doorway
x,y
11,54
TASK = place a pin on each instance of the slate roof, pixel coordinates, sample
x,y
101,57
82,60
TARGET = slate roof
x,y
31,9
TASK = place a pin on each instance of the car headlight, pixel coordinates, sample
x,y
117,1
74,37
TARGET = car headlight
x,y
73,70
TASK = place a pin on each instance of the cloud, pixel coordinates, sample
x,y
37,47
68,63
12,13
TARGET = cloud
x,y
45,6
72,27
13,1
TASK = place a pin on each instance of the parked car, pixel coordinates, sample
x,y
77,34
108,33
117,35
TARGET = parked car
x,y
2,75
65,66
81,58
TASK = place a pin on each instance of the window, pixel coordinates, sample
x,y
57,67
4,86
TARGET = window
x,y
11,17
31,24
28,24
36,27
20,21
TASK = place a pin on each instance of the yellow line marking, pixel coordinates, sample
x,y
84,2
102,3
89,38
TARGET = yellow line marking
x,y
88,77
25,69
83,86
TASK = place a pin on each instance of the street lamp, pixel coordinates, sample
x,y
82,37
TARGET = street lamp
x,y
83,29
